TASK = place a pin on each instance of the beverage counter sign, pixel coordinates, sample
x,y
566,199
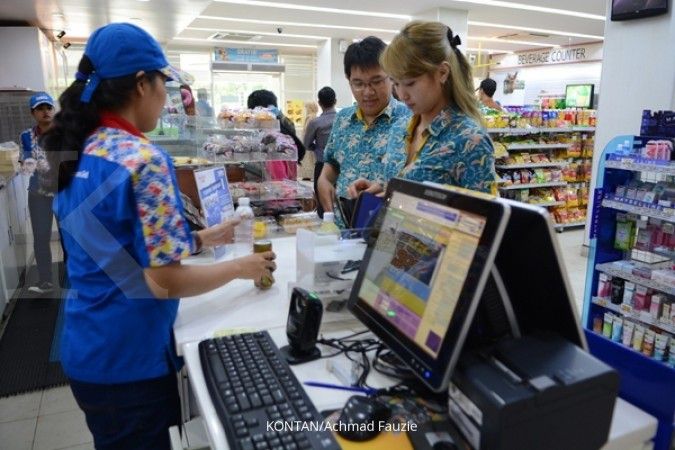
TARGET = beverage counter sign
x,y
553,56
558,55
248,55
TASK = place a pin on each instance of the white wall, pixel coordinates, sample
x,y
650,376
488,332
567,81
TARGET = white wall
x,y
23,59
638,73
545,79
331,72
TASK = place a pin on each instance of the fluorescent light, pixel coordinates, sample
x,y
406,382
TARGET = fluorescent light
x,y
535,30
509,41
487,50
298,24
267,44
352,12
522,6
264,33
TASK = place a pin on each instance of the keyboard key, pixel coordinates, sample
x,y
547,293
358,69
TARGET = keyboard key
x,y
278,396
251,422
239,424
255,400
258,437
246,444
244,404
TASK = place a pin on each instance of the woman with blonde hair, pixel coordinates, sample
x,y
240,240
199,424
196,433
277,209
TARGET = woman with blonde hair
x,y
445,141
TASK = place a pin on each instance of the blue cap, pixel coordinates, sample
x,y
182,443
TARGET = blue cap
x,y
121,49
40,98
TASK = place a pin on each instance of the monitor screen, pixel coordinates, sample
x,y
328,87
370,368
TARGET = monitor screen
x,y
635,9
579,95
424,271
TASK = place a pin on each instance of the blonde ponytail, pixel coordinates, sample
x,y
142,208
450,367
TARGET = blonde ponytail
x,y
419,49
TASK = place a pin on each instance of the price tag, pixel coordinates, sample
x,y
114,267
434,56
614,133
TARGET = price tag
x,y
601,302
626,308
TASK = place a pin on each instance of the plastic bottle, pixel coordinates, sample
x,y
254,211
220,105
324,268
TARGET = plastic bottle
x,y
328,225
243,233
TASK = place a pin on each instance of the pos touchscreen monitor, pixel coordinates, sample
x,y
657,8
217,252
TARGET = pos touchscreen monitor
x,y
424,271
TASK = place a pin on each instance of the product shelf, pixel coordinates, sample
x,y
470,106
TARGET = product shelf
x,y
641,208
529,165
536,130
514,130
665,168
547,204
517,147
562,226
533,185
628,311
611,270
645,381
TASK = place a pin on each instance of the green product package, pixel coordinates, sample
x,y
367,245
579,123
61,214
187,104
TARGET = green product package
x,y
623,239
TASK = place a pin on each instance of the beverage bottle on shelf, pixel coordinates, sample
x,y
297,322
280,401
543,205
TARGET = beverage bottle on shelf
x,y
243,233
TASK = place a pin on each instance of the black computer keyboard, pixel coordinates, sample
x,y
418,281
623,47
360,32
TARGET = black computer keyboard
x,y
251,384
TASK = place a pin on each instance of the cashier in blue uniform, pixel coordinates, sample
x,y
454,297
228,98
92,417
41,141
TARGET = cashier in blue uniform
x,y
122,223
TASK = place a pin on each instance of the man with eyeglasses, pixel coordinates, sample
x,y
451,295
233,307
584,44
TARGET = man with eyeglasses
x,y
358,140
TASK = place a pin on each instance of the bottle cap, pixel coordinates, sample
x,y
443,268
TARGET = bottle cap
x,y
329,217
244,201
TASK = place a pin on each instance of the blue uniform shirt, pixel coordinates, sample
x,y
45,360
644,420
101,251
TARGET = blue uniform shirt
x,y
120,214
456,150
31,149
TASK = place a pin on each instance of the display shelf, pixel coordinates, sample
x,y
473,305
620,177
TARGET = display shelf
x,y
666,168
562,226
533,185
547,204
628,311
271,190
536,130
514,130
611,270
645,382
252,157
529,165
574,129
517,147
641,208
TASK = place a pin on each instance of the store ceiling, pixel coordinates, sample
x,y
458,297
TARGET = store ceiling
x,y
495,25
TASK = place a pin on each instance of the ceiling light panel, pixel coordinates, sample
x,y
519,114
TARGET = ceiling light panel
x,y
299,7
534,8
215,21
535,30
211,43
191,33
316,18
474,39
264,33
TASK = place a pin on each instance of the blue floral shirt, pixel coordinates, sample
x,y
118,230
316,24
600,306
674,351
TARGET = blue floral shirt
x,y
355,149
456,150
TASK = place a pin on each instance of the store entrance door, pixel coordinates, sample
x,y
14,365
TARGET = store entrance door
x,y
231,89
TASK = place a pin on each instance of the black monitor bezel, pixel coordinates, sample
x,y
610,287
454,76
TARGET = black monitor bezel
x,y
590,99
496,215
639,13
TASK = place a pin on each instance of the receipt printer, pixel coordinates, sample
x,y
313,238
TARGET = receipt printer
x,y
533,393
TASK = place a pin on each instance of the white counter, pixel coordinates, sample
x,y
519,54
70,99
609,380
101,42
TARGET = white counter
x,y
239,304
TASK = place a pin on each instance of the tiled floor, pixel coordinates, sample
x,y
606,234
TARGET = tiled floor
x,y
51,420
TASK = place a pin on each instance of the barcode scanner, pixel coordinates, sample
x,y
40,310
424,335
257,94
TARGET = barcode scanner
x,y
302,327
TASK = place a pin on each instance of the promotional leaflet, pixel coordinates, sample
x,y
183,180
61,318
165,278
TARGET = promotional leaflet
x,y
216,200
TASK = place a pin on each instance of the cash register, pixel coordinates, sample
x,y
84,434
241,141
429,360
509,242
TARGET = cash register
x,y
468,291
471,293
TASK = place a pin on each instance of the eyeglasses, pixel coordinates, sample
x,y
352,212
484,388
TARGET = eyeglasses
x,y
360,86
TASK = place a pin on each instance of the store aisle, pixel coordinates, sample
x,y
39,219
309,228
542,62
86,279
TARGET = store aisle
x,y
51,420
